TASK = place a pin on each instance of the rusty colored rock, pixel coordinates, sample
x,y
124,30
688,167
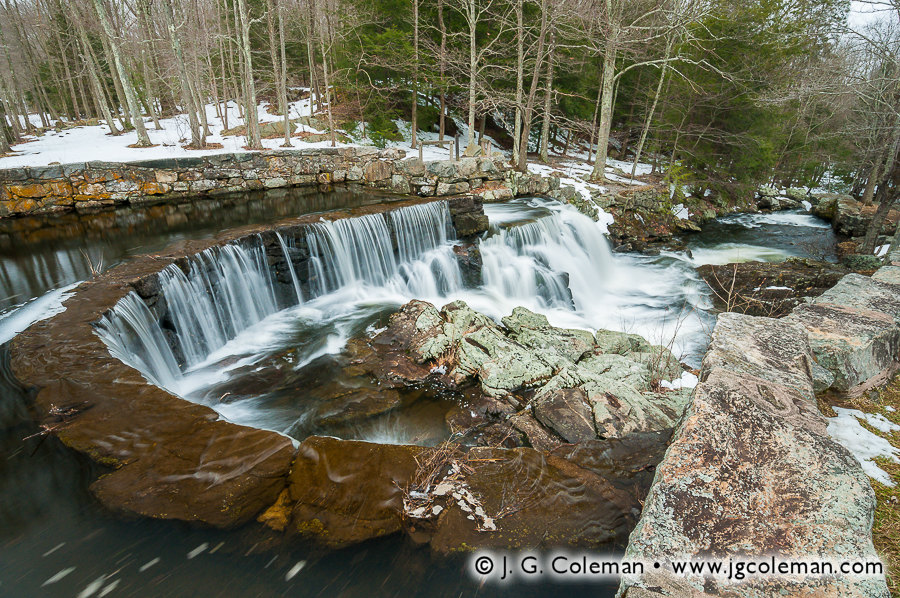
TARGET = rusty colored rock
x,y
535,501
349,491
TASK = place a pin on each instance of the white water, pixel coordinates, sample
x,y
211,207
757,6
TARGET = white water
x,y
545,256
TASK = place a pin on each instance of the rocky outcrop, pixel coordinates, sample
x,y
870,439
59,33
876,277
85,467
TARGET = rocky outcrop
x,y
854,330
91,185
563,385
751,471
851,218
769,289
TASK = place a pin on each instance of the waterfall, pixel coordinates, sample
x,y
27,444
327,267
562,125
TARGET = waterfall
x,y
561,258
350,251
226,290
359,252
133,336
290,265
421,228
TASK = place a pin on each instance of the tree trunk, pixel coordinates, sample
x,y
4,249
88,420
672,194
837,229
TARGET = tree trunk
x,y
646,129
606,107
99,95
520,79
415,92
869,192
186,96
311,57
548,97
887,191
442,124
143,139
251,116
471,18
283,78
532,91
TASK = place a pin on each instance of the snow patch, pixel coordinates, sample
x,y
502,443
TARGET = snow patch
x,y
681,212
863,444
687,380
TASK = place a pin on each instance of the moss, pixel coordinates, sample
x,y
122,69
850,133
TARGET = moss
x,y
886,526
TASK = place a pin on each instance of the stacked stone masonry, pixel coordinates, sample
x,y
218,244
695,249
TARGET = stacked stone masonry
x,y
92,185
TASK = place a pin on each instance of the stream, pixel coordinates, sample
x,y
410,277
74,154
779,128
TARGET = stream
x,y
271,359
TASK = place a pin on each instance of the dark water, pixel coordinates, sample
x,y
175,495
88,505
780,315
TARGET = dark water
x,y
55,540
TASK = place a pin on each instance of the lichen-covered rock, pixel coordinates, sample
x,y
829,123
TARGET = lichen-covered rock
x,y
499,364
859,347
855,290
888,275
766,348
558,346
610,341
739,480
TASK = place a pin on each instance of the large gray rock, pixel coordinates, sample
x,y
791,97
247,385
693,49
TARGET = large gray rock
x,y
610,341
859,347
740,479
774,350
557,346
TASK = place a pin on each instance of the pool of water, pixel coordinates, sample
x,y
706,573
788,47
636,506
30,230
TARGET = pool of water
x,y
56,541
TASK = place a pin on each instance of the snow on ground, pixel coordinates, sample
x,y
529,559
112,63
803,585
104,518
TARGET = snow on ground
x,y
882,250
93,143
687,380
865,446
681,212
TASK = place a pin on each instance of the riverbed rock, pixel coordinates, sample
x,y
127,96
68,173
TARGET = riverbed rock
x,y
534,500
769,289
567,412
347,491
241,473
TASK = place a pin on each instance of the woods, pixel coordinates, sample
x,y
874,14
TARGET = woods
x,y
769,91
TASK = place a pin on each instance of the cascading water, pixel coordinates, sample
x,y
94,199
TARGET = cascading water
x,y
227,325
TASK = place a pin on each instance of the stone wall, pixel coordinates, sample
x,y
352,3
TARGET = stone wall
x,y
90,185
751,470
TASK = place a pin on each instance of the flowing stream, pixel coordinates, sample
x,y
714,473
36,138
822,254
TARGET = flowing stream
x,y
240,333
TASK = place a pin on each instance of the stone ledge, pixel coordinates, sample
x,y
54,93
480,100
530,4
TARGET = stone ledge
x,y
751,471
92,185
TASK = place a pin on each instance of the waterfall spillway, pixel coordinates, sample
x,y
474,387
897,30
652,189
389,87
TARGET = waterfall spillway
x,y
226,290
225,322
